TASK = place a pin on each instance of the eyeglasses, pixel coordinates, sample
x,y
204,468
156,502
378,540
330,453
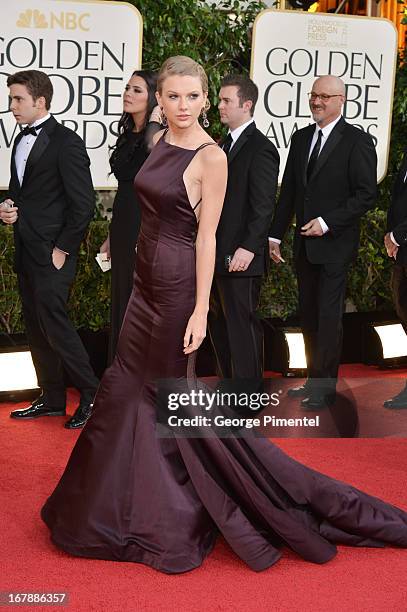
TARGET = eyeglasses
x,y
324,97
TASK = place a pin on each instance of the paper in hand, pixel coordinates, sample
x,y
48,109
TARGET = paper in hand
x,y
104,263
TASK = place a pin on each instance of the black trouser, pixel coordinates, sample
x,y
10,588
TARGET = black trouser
x,y
235,330
399,291
53,340
322,290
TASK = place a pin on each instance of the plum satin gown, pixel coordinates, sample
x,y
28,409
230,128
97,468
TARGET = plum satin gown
x,y
129,495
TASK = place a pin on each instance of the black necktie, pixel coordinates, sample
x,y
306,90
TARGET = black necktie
x,y
228,143
30,130
314,155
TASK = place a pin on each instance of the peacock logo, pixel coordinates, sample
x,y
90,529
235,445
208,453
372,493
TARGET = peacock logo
x,y
32,19
63,20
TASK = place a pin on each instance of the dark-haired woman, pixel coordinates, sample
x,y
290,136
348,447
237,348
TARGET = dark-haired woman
x,y
137,126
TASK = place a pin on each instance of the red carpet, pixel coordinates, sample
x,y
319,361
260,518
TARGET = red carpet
x,y
33,456
358,411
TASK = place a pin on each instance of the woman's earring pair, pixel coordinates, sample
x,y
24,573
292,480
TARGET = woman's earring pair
x,y
205,120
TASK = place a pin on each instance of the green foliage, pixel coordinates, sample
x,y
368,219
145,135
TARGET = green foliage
x,y
368,285
10,307
89,301
368,281
218,39
279,293
90,297
398,140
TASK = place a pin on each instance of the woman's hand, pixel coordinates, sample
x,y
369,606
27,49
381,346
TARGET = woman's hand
x,y
105,248
195,332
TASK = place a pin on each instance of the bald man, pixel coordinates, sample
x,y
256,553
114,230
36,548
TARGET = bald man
x,y
329,183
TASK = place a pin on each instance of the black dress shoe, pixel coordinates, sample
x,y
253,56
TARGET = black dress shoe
x,y
397,402
302,391
37,409
318,401
78,420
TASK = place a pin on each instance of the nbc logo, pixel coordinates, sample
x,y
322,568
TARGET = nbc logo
x,y
65,20
32,19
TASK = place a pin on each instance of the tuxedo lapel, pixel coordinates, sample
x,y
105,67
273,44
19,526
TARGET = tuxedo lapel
x,y
222,142
14,176
39,146
241,141
333,139
305,149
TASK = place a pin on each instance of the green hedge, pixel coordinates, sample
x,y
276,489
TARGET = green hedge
x,y
220,40
90,297
89,302
368,284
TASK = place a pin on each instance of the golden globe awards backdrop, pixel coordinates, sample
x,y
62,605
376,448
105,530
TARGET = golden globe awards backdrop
x,y
89,50
291,49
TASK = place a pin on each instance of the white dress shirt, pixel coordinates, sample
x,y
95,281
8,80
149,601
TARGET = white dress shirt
x,y
24,148
238,132
23,151
325,133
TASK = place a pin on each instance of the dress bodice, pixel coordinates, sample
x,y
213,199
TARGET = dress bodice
x,y
167,213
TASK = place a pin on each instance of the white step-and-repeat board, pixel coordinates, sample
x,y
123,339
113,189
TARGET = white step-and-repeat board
x,y
89,50
291,49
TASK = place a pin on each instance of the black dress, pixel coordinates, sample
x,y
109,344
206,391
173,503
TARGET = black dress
x,y
128,494
125,162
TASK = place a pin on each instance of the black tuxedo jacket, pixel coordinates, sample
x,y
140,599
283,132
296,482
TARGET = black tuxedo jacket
x,y
342,187
397,213
253,164
56,199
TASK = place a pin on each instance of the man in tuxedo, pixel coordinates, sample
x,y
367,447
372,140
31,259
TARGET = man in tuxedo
x,y
329,183
50,203
241,238
395,242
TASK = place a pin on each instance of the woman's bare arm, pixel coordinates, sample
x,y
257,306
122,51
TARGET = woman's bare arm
x,y
213,181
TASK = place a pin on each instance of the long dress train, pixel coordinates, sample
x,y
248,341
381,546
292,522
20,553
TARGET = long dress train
x,y
128,494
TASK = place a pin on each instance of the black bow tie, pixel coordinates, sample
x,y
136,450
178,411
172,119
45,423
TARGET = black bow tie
x,y
33,129
30,130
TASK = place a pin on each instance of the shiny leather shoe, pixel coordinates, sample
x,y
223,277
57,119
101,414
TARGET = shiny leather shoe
x,y
302,391
81,415
397,402
318,401
37,409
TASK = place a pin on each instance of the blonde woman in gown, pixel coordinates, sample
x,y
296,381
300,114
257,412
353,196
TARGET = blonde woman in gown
x,y
128,494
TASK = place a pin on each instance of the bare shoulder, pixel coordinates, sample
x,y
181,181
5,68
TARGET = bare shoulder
x,y
212,155
157,136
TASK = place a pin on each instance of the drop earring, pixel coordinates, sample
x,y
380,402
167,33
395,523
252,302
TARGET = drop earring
x,y
205,120
164,121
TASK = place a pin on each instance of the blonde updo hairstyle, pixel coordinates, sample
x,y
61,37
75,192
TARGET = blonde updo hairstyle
x,y
181,65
